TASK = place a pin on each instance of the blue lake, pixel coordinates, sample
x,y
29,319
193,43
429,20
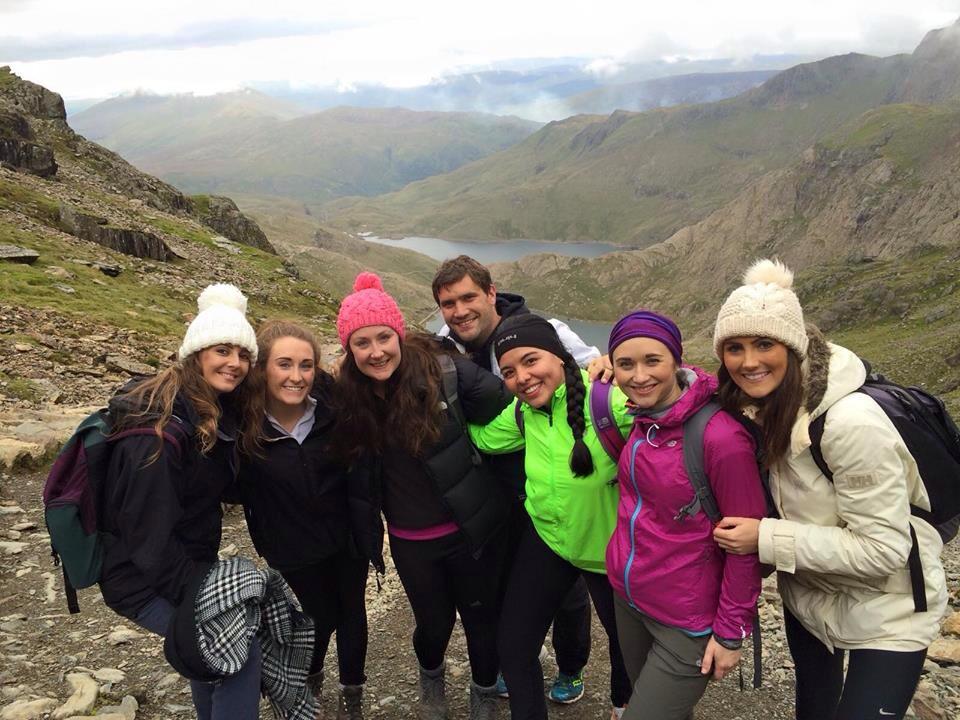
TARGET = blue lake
x,y
490,252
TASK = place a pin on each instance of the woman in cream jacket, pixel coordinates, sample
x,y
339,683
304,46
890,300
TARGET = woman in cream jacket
x,y
840,547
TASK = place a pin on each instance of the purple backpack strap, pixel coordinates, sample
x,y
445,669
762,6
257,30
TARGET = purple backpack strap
x,y
601,415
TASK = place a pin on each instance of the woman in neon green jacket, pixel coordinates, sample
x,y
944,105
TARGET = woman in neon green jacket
x,y
571,499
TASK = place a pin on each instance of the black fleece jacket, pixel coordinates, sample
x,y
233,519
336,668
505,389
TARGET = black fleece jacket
x,y
295,495
162,518
464,486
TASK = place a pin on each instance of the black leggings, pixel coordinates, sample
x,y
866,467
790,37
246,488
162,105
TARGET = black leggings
x,y
332,593
879,683
442,578
571,624
538,583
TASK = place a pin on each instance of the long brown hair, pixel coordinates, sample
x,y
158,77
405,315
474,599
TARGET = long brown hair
x,y
253,407
777,412
409,415
154,398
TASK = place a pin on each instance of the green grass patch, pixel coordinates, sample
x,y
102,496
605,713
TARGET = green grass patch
x,y
181,230
201,203
19,388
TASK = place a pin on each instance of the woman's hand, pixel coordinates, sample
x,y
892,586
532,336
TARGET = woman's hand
x,y
738,535
600,369
718,659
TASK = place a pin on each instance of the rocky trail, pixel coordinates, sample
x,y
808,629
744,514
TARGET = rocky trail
x,y
57,665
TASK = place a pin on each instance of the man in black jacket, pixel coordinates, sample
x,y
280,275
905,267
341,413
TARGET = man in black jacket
x,y
472,309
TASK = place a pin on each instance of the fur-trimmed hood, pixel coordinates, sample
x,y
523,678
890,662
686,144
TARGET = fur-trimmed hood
x,y
829,373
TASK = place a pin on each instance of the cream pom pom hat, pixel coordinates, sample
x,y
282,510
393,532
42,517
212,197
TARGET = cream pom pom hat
x,y
221,321
764,306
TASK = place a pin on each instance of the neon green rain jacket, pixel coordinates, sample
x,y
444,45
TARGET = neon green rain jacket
x,y
575,516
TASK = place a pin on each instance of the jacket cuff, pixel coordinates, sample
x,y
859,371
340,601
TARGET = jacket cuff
x,y
777,544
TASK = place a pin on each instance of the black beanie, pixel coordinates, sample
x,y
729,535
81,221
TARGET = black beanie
x,y
527,330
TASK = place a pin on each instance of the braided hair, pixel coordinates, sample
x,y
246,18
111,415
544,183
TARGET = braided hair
x,y
581,462
529,330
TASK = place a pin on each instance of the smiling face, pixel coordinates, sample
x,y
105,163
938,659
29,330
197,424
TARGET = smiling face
x,y
756,364
289,372
468,311
224,366
646,371
376,351
532,374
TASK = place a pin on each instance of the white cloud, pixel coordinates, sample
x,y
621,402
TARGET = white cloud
x,y
205,47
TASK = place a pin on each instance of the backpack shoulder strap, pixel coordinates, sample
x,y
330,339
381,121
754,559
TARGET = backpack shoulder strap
x,y
448,370
518,415
601,415
816,442
693,432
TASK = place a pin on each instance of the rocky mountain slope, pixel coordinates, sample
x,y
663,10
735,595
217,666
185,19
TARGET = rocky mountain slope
x,y
228,143
869,217
102,264
636,178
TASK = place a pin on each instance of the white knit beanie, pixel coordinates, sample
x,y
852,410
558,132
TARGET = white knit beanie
x,y
221,321
764,306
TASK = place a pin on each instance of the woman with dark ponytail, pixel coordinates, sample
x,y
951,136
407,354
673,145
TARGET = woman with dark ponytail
x,y
571,499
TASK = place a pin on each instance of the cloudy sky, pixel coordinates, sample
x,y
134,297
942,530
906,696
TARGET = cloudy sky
x,y
100,48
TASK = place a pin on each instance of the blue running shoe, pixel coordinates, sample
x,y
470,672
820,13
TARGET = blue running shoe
x,y
567,689
502,687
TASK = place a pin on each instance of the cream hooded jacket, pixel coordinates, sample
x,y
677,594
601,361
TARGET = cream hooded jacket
x,y
841,548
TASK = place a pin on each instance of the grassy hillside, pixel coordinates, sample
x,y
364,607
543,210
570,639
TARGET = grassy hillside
x,y
634,178
65,314
332,258
247,143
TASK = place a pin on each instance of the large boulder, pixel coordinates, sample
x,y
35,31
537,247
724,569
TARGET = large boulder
x,y
30,98
223,215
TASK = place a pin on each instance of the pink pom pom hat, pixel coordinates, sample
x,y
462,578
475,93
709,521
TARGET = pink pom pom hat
x,y
369,304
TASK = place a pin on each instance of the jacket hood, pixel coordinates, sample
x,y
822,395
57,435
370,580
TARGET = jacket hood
x,y
701,387
509,304
123,404
830,372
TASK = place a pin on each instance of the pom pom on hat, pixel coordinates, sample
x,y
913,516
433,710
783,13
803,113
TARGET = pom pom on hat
x,y
368,305
764,306
769,272
368,281
221,320
222,294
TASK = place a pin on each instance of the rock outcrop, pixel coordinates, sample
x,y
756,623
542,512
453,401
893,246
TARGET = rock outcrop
x,y
130,242
18,150
223,215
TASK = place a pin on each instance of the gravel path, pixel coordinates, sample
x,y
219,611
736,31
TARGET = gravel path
x,y
40,642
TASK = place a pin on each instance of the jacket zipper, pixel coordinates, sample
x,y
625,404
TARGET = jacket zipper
x,y
633,521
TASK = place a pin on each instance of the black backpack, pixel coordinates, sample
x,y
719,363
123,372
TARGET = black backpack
x,y
933,440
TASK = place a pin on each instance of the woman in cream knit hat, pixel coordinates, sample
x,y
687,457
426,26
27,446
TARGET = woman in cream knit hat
x,y
161,511
840,546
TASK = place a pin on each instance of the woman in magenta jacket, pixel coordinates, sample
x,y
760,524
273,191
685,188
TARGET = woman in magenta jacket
x,y
683,606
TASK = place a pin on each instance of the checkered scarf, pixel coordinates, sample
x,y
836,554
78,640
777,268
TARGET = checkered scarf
x,y
238,601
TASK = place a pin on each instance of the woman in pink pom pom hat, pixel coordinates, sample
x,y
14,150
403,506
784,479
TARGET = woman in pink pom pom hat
x,y
403,401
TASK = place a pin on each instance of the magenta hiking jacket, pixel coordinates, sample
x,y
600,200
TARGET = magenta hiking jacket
x,y
672,570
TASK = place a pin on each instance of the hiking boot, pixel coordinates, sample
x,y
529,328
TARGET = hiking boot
x,y
315,687
433,696
502,687
567,689
350,706
483,702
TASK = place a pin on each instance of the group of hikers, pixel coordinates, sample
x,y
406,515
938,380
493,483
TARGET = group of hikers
x,y
522,477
